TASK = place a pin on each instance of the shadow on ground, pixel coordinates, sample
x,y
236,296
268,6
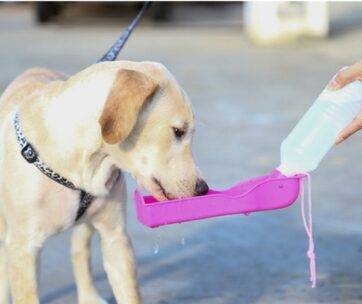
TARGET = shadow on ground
x,y
256,263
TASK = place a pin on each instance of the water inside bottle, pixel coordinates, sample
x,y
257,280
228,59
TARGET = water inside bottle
x,y
316,132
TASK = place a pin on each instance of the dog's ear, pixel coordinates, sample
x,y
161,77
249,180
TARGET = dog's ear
x,y
129,92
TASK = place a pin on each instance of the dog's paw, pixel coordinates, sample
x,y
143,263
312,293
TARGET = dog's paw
x,y
92,300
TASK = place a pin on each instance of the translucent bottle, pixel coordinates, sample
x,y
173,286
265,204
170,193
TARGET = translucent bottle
x,y
316,132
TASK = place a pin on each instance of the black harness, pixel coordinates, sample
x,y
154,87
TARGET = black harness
x,y
31,155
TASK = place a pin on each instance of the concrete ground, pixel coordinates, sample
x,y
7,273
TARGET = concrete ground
x,y
246,100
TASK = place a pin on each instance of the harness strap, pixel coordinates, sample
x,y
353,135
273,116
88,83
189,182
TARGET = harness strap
x,y
31,156
84,202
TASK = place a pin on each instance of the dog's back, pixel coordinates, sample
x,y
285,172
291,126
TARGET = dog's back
x,y
23,86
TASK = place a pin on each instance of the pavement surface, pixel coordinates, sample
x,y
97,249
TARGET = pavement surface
x,y
246,100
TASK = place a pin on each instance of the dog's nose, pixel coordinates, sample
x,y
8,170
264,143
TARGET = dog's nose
x,y
201,187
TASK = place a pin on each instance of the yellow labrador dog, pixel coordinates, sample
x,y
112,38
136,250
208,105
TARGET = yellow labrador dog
x,y
82,132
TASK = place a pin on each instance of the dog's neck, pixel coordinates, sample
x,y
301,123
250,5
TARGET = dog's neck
x,y
64,129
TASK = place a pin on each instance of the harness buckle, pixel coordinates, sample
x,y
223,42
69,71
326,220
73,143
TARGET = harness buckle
x,y
29,153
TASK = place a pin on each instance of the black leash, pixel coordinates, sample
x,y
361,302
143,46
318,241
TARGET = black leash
x,y
113,52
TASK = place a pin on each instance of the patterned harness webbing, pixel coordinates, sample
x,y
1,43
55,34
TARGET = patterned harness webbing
x,y
31,156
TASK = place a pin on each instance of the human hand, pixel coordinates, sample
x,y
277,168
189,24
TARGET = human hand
x,y
344,77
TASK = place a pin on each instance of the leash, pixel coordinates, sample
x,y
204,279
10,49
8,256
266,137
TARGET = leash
x,y
113,52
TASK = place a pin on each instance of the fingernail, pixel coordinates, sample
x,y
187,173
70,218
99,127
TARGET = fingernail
x,y
333,85
339,140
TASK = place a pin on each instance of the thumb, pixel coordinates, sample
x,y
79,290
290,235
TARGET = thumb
x,y
352,128
345,76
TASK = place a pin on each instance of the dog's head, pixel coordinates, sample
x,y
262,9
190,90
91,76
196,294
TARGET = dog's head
x,y
147,126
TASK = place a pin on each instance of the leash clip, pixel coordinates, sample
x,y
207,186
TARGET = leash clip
x,y
29,153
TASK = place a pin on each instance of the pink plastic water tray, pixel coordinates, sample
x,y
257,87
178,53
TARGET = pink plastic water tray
x,y
268,192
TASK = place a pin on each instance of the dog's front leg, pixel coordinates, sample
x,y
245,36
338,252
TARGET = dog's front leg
x,y
119,260
4,282
81,237
22,262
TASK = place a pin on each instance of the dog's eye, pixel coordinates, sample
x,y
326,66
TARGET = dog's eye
x,y
178,132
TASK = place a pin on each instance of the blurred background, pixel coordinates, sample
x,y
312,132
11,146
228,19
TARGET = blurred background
x,y
251,71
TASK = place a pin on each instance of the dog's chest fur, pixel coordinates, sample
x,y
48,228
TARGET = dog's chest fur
x,y
28,195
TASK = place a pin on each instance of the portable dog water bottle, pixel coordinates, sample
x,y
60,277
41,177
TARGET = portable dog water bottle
x,y
268,192
318,129
301,152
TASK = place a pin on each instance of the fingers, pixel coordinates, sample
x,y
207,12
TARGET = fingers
x,y
352,128
346,76
342,78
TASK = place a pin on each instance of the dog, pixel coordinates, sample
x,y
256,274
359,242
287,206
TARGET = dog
x,y
88,129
